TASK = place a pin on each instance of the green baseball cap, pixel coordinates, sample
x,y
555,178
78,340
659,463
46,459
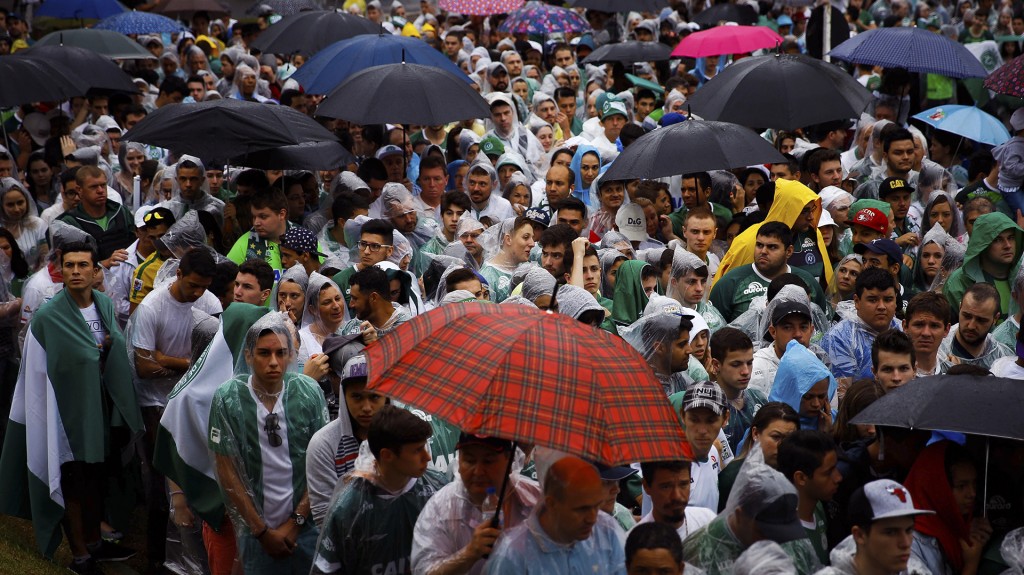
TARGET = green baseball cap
x,y
492,146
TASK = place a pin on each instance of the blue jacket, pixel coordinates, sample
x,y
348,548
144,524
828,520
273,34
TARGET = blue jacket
x,y
798,371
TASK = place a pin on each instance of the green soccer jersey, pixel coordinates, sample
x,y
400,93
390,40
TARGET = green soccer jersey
x,y
368,531
732,294
817,534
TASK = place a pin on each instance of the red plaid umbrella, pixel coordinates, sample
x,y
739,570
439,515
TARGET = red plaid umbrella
x,y
522,374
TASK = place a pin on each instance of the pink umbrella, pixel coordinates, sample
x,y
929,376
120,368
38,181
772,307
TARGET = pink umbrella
x,y
727,40
480,7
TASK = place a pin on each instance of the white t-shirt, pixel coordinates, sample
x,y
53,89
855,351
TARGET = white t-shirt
x,y
92,318
162,323
308,347
695,518
277,465
38,290
1008,367
703,478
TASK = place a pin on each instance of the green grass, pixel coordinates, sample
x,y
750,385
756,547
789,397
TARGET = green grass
x,y
18,554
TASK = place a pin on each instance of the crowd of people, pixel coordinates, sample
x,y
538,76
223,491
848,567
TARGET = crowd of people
x,y
190,337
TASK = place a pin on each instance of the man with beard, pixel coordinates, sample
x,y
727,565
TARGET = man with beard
x,y
733,293
668,485
969,341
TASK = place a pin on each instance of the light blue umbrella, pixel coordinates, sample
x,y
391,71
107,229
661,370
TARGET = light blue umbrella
x,y
139,23
966,121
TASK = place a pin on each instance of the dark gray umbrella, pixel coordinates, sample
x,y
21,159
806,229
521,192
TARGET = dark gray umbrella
x,y
226,128
309,156
106,42
102,73
743,14
283,7
978,405
404,94
309,32
781,91
187,8
692,146
33,80
629,52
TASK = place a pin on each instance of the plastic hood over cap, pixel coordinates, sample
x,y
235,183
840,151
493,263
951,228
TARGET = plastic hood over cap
x,y
573,301
275,322
683,262
537,282
185,234
396,200
764,557
798,371
62,234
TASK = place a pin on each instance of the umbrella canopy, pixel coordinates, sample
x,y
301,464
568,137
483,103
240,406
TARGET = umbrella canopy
x,y
334,64
480,7
629,52
978,405
283,7
309,32
621,5
80,9
913,49
28,79
966,121
106,42
780,91
404,94
139,23
1008,79
101,72
542,19
308,156
727,40
692,146
522,374
226,127
188,7
742,14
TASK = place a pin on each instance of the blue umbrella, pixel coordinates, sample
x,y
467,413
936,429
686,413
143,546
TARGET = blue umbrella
x,y
966,121
913,49
335,63
81,9
139,23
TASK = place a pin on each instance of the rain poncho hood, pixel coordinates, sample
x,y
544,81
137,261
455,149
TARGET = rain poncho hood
x,y
956,226
297,275
798,371
315,285
580,191
608,258
573,301
790,199
986,228
629,298
683,262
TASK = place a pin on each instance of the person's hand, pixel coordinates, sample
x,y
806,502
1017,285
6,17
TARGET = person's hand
x,y
23,139
483,540
825,419
115,259
665,224
579,247
908,261
290,530
953,359
563,121
180,512
229,211
276,544
981,529
1020,219
972,549
369,332
908,239
519,209
317,366
67,146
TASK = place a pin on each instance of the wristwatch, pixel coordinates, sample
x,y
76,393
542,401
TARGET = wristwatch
x,y
300,520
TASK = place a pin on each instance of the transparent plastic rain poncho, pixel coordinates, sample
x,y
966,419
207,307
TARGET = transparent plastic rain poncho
x,y
617,241
608,258
493,238
239,437
515,159
369,529
62,234
457,296
952,259
652,336
956,225
203,201
435,276
932,178
315,284
344,182
1012,551
574,301
684,262
297,275
409,299
755,321
185,234
764,558
715,548
396,200
536,282
29,229
874,155
841,559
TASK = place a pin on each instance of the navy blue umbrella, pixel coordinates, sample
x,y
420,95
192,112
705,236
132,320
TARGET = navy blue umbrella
x,y
139,23
913,49
334,64
82,9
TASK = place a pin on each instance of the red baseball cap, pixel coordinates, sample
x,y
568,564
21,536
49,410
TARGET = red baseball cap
x,y
871,218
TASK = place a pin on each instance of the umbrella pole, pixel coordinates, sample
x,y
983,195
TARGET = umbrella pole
x,y
826,36
984,488
495,521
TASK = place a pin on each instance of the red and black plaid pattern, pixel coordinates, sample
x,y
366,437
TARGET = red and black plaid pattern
x,y
526,375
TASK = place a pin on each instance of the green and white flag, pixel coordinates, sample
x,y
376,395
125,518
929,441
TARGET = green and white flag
x,y
181,441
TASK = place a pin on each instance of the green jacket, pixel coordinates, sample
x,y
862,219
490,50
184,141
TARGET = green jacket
x,y
986,228
629,300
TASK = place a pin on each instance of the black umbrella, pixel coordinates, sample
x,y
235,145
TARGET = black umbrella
x,y
226,127
621,5
108,43
629,52
692,146
188,7
743,14
102,73
780,91
309,32
404,94
308,156
283,7
32,80
978,405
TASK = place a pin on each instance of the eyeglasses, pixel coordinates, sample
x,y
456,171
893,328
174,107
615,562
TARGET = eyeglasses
x,y
272,426
154,215
373,247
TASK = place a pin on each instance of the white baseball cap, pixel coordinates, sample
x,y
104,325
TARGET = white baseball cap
x,y
631,222
887,499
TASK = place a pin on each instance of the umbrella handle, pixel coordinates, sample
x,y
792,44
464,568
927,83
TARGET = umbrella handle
x,y
504,485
